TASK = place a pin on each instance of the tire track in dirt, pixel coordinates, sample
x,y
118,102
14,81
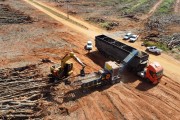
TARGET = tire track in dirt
x,y
127,104
173,85
91,109
133,100
106,106
177,6
165,100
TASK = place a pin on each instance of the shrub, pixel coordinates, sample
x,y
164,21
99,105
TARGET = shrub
x,y
158,44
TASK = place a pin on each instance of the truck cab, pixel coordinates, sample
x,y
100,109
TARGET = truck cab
x,y
152,73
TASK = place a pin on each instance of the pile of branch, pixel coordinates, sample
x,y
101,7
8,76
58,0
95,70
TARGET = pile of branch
x,y
20,91
161,22
9,15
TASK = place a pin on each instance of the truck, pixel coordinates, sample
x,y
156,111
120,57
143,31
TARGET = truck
x,y
118,51
110,74
154,49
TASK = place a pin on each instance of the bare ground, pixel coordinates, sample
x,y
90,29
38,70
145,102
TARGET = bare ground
x,y
23,44
177,7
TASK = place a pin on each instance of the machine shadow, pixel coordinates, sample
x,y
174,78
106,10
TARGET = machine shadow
x,y
97,58
144,86
76,94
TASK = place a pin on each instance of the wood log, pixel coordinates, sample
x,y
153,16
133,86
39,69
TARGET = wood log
x,y
17,111
33,96
14,107
19,116
20,82
19,94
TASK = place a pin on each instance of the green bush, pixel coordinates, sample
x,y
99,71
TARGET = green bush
x,y
158,44
166,6
106,25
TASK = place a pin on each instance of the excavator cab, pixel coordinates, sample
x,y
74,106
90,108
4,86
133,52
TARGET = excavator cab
x,y
66,67
154,72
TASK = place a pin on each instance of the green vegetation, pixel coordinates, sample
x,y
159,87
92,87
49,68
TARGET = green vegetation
x,y
158,44
135,6
166,7
106,25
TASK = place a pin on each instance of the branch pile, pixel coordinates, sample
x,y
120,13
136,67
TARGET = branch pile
x,y
9,15
20,91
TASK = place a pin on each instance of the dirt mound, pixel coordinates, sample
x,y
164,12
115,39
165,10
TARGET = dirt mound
x,y
9,15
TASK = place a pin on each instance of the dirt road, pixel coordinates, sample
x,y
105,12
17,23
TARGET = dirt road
x,y
89,30
130,99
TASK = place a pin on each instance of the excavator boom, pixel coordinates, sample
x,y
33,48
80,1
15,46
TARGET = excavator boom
x,y
69,56
66,67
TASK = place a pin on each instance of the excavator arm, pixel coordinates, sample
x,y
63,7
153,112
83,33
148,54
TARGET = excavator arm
x,y
66,67
69,56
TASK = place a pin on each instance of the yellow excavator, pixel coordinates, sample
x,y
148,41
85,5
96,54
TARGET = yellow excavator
x,y
65,69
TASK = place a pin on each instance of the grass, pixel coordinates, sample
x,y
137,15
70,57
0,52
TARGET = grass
x,y
158,44
166,7
135,6
140,2
106,25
